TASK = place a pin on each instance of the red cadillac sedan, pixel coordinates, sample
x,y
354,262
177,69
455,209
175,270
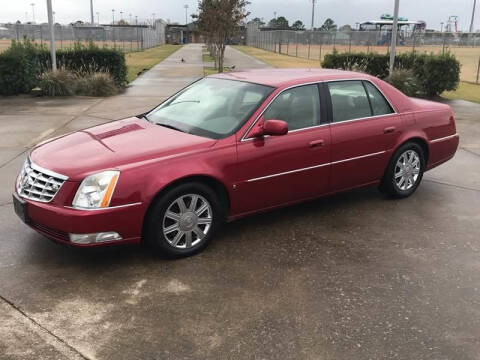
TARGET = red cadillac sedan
x,y
227,146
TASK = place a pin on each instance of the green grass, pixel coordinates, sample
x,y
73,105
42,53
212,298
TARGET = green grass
x,y
206,57
211,70
466,91
145,60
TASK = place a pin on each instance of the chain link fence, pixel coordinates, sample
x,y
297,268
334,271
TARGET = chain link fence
x,y
315,45
123,37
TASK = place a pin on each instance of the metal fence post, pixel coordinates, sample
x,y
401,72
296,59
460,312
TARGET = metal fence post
x,y
478,69
309,43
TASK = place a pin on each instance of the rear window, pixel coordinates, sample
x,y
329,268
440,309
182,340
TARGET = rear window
x,y
356,99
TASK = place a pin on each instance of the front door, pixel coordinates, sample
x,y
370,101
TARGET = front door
x,y
275,170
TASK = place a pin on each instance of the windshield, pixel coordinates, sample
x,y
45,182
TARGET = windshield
x,y
213,108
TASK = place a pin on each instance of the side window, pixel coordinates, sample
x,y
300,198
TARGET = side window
x,y
349,100
380,106
299,107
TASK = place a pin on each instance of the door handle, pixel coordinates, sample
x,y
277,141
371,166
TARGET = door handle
x,y
389,130
316,143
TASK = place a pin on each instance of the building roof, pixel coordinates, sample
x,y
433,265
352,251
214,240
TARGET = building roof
x,y
287,77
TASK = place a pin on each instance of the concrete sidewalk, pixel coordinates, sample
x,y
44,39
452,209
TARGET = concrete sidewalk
x,y
351,276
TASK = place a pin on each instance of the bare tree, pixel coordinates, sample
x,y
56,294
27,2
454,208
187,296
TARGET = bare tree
x,y
219,20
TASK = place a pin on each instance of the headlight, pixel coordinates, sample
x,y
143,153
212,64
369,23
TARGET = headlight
x,y
96,190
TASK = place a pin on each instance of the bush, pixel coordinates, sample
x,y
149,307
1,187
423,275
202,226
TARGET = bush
x,y
22,64
434,73
90,59
97,84
20,67
59,83
405,81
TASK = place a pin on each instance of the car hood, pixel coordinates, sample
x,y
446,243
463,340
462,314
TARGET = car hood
x,y
112,145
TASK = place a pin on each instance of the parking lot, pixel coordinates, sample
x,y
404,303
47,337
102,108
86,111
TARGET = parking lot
x,y
351,276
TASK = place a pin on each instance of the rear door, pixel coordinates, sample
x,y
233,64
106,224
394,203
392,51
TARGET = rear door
x,y
364,126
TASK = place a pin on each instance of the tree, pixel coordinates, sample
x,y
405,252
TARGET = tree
x,y
345,28
257,20
279,23
220,20
328,25
298,25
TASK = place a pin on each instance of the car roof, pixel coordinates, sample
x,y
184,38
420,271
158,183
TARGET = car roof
x,y
291,76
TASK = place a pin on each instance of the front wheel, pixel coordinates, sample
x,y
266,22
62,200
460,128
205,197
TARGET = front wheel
x,y
405,171
182,222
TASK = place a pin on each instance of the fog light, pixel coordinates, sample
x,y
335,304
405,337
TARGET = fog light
x,y
95,237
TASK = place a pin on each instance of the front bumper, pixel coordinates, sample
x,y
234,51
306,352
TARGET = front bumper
x,y
58,222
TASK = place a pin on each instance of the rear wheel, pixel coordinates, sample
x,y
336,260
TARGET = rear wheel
x,y
405,171
183,221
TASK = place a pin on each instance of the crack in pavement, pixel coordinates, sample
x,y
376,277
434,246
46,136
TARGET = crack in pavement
x,y
49,337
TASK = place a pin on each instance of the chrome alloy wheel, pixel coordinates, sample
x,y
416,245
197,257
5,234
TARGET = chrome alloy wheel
x,y
187,221
407,170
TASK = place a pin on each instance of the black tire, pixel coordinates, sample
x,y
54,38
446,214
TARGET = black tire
x,y
389,184
155,222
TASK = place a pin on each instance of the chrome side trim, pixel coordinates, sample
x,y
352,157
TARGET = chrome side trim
x,y
357,157
46,171
443,138
287,172
243,139
104,208
314,167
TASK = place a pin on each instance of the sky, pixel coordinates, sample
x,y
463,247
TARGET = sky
x,y
342,12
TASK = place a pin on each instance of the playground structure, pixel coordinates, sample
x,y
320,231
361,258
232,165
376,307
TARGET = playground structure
x,y
383,29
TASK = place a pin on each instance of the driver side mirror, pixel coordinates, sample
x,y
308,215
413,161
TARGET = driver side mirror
x,y
270,127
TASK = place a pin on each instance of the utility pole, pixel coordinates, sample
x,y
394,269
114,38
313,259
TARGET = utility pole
x,y
113,16
186,10
52,35
473,16
313,12
33,11
92,19
394,35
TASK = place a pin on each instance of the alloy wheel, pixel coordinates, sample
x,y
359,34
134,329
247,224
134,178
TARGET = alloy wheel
x,y
407,170
187,221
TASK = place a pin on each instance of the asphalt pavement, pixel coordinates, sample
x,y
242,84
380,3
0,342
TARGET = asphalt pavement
x,y
351,276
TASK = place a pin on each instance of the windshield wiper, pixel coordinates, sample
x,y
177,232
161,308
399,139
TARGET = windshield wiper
x,y
184,101
171,127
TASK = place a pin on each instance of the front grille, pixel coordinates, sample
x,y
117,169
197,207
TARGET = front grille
x,y
38,184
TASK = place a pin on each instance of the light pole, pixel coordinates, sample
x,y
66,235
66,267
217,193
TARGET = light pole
x,y
98,18
53,13
92,19
473,16
313,12
33,11
52,35
153,19
275,15
394,35
113,16
130,19
186,10
441,27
